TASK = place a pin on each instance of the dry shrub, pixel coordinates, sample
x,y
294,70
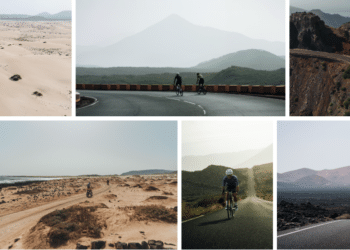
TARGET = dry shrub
x,y
71,223
157,198
151,188
155,213
343,217
33,191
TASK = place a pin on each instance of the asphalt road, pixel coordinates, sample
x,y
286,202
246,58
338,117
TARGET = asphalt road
x,y
251,228
320,55
327,235
157,103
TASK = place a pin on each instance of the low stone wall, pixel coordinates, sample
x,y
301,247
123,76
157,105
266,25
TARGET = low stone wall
x,y
101,244
248,89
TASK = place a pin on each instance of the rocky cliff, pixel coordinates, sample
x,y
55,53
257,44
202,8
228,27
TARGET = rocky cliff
x,y
318,59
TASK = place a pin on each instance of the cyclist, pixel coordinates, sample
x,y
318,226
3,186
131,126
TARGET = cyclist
x,y
89,187
107,182
178,80
200,81
232,185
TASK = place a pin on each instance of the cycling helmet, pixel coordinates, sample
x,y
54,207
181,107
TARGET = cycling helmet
x,y
229,172
178,73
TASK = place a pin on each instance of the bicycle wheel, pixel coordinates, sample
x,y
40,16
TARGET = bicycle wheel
x,y
181,92
228,212
204,91
231,209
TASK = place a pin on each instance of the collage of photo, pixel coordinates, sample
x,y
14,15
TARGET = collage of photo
x,y
174,124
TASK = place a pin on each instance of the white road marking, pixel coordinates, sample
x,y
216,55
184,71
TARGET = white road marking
x,y
190,102
96,101
193,218
202,108
172,99
297,231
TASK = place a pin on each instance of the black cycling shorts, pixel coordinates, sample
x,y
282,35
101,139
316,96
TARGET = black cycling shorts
x,y
231,189
201,81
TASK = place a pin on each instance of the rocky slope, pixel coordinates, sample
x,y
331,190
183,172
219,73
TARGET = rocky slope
x,y
317,86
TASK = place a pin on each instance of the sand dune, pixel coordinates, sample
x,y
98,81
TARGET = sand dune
x,y
117,210
40,52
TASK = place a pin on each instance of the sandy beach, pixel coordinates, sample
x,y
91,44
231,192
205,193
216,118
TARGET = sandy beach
x,y
40,52
115,207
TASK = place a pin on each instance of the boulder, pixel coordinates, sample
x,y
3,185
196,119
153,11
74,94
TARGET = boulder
x,y
98,244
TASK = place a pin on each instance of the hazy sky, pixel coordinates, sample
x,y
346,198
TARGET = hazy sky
x,y
316,145
341,7
210,137
86,147
103,19
33,7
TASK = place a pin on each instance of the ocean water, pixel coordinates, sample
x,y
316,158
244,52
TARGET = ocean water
x,y
10,180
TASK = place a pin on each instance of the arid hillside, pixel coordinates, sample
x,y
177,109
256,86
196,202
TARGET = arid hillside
x,y
319,65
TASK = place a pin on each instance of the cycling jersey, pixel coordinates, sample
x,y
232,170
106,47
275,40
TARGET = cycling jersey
x,y
200,79
178,80
231,183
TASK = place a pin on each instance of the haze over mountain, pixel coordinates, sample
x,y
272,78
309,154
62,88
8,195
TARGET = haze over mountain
x,y
149,171
174,42
243,159
43,16
307,178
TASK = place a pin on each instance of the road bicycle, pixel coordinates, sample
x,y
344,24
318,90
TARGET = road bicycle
x,y
230,209
179,90
201,89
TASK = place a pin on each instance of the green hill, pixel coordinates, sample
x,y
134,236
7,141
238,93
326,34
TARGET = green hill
x,y
245,76
252,58
209,182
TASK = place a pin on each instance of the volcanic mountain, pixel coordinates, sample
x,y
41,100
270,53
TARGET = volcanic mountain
x,y
174,42
307,178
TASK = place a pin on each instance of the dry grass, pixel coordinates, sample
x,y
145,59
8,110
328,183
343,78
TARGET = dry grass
x,y
343,217
157,198
71,223
154,213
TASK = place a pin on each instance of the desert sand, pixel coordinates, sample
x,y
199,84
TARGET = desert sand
x,y
40,52
20,215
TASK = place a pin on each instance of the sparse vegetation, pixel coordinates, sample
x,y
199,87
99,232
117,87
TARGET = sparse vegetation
x,y
343,216
324,65
296,99
264,181
202,206
346,104
347,113
154,213
343,89
338,84
70,223
346,74
331,104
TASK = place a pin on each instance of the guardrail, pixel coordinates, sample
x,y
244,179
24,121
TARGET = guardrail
x,y
249,89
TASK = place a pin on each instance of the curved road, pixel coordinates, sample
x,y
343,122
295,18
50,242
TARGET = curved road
x,y
158,103
251,227
320,55
327,235
15,225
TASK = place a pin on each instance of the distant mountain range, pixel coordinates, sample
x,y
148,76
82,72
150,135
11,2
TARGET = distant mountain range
x,y
243,159
149,171
44,16
174,42
311,179
332,20
253,58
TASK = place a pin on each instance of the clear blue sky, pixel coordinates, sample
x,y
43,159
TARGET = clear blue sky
x,y
33,7
316,145
86,147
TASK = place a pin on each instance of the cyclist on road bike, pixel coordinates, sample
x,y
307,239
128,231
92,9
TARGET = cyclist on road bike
x,y
107,182
178,80
200,81
232,186
89,187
